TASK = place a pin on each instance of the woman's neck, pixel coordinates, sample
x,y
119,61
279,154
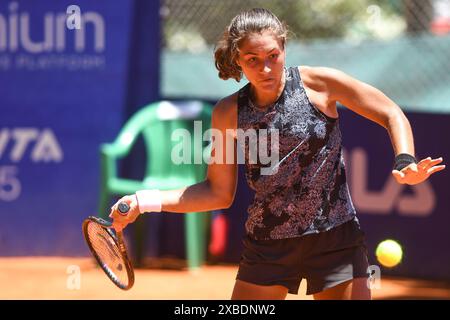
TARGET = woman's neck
x,y
263,99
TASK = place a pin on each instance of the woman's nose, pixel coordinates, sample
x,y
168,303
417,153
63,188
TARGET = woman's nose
x,y
266,67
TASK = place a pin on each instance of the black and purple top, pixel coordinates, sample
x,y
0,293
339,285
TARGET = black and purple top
x,y
306,190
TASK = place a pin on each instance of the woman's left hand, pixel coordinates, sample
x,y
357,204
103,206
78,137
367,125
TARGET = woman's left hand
x,y
417,173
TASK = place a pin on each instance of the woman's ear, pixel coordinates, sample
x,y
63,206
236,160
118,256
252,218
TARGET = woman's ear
x,y
238,64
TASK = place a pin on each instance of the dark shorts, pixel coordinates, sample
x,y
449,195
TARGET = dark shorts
x,y
324,259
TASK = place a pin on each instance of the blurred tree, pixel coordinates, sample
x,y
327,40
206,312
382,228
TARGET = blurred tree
x,y
307,19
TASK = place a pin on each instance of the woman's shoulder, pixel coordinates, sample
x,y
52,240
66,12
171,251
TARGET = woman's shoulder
x,y
225,111
227,105
318,75
316,78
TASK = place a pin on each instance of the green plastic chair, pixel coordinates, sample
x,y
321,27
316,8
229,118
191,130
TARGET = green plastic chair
x,y
156,122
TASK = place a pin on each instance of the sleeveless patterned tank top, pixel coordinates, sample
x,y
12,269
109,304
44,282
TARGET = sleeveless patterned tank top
x,y
308,192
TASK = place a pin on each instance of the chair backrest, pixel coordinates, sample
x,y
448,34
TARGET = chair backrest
x,y
166,127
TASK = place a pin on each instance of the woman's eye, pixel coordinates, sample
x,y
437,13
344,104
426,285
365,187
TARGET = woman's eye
x,y
252,59
273,56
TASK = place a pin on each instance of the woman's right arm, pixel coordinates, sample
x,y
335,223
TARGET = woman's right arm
x,y
218,189
215,192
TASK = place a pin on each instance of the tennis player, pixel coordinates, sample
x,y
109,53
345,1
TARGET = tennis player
x,y
302,223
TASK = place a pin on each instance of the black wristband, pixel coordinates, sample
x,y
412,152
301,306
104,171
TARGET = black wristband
x,y
403,160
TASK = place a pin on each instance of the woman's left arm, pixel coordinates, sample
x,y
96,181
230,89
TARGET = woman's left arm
x,y
374,105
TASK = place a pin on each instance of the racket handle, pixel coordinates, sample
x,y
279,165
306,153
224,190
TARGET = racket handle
x,y
123,208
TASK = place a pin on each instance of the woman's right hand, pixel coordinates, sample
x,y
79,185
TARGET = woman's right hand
x,y
120,220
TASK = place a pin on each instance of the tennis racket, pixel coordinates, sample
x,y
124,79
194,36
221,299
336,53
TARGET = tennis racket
x,y
109,249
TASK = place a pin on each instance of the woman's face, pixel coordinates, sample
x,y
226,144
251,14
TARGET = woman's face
x,y
261,58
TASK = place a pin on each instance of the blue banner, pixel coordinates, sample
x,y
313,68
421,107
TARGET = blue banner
x,y
63,85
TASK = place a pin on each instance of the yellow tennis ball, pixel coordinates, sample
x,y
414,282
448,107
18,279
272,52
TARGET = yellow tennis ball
x,y
389,253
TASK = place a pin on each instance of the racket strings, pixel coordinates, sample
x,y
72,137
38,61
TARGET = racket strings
x,y
108,253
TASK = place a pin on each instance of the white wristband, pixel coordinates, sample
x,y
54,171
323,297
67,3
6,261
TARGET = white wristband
x,y
149,200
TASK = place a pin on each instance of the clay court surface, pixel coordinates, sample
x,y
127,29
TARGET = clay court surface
x,y
50,277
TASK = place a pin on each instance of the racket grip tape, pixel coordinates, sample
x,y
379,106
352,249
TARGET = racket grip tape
x,y
123,208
